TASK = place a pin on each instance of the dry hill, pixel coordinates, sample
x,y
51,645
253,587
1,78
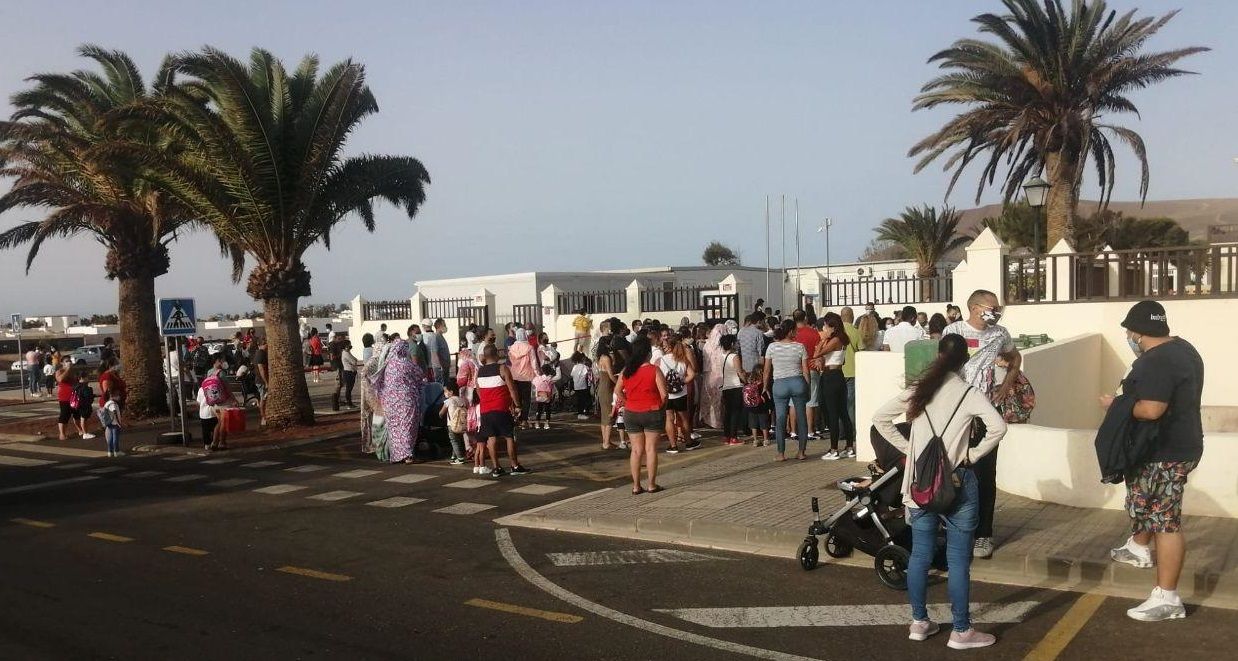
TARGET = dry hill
x,y
1193,215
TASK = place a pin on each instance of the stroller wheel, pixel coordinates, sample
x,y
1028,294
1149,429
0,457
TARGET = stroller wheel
x,y
808,554
891,565
837,548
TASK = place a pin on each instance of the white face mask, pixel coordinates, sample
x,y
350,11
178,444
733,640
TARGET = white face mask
x,y
1134,345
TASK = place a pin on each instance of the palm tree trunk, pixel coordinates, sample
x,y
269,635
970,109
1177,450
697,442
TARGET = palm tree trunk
x,y
141,349
1062,171
288,402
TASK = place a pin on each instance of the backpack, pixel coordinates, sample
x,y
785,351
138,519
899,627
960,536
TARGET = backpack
x,y
105,416
458,420
83,396
1018,405
674,380
215,390
753,395
201,360
934,485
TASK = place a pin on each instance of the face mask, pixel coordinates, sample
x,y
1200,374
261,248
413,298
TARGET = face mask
x,y
1135,348
990,317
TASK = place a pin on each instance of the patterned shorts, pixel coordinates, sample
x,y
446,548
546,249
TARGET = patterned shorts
x,y
1154,496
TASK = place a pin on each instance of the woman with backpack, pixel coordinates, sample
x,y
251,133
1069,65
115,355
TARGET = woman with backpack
x,y
940,407
676,367
66,385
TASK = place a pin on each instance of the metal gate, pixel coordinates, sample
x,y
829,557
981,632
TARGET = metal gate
x,y
527,314
720,307
472,314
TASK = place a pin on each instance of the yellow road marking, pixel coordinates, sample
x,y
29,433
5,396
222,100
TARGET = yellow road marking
x,y
32,523
1066,628
185,550
314,573
109,537
565,618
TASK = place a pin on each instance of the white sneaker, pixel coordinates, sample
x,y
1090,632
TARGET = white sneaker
x,y
111,454
545,425
476,469
87,437
983,547
922,630
623,445
484,470
1158,607
847,454
694,436
832,455
1132,554
812,436
970,639
581,416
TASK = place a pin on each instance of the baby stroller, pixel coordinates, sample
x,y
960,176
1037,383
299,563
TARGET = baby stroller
x,y
870,520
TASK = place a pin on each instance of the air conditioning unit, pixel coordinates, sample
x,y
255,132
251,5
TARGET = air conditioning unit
x,y
860,271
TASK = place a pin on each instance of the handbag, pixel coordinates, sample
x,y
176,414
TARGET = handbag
x,y
1017,407
934,484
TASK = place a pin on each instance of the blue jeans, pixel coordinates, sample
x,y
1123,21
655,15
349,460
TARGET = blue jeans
x,y
112,434
960,533
793,390
34,377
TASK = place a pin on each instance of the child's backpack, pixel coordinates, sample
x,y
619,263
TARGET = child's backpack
x,y
543,390
105,416
753,395
215,391
674,380
83,396
458,419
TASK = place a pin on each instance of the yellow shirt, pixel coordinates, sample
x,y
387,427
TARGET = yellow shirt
x,y
582,324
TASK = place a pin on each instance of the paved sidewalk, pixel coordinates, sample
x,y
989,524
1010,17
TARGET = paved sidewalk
x,y
747,502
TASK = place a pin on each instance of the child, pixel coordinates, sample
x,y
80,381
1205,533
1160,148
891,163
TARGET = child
x,y
85,404
543,392
109,417
580,385
617,416
757,406
49,378
455,413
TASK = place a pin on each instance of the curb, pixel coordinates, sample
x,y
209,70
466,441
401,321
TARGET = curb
x,y
1057,573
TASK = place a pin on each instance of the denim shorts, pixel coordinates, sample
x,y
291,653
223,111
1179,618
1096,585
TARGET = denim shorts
x,y
638,422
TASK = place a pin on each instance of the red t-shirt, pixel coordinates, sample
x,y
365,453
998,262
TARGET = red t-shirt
x,y
810,338
641,390
64,389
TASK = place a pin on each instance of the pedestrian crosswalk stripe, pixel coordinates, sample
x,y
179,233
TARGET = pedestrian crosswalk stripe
x,y
261,464
23,461
232,482
142,474
185,550
471,484
72,466
52,449
220,460
464,508
536,489
361,472
334,495
647,556
277,489
396,501
306,468
47,485
183,457
104,470
841,615
314,573
190,477
109,537
33,523
410,478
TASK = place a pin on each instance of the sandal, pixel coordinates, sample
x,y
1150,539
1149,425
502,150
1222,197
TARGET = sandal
x,y
655,489
638,491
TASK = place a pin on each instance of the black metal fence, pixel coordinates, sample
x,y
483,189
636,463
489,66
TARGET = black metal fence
x,y
442,308
671,298
720,307
380,310
887,291
1194,271
613,301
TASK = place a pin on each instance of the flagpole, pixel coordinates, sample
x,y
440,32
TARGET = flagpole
x,y
767,289
782,210
799,293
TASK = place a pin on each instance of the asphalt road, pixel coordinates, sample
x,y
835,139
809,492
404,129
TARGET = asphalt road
x,y
185,559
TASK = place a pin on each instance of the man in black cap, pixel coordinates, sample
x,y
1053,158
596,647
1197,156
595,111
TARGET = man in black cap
x,y
1166,381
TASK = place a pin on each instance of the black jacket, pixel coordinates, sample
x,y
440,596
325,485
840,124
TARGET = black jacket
x,y
1122,442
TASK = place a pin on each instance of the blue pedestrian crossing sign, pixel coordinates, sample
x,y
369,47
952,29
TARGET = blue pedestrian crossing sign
x,y
176,317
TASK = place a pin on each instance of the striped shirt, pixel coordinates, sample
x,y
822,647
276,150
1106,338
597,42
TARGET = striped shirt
x,y
786,357
492,389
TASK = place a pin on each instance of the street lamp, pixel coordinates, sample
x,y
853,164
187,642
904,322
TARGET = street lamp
x,y
826,228
1036,190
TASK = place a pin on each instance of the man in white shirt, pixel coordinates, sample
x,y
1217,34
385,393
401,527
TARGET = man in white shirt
x,y
905,331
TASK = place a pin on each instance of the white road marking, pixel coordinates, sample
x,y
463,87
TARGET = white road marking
x,y
647,556
410,478
220,460
186,478
536,489
334,495
396,501
841,615
504,539
47,485
51,449
471,484
72,466
142,474
261,464
183,457
464,508
104,470
277,489
232,482
306,468
360,472
24,461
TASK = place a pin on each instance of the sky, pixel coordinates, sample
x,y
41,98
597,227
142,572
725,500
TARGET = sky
x,y
589,135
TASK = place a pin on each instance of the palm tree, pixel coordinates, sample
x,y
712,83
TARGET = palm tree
x,y
1018,226
60,148
1038,95
927,236
263,167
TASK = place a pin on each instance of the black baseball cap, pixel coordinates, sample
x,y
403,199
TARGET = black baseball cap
x,y
1147,318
